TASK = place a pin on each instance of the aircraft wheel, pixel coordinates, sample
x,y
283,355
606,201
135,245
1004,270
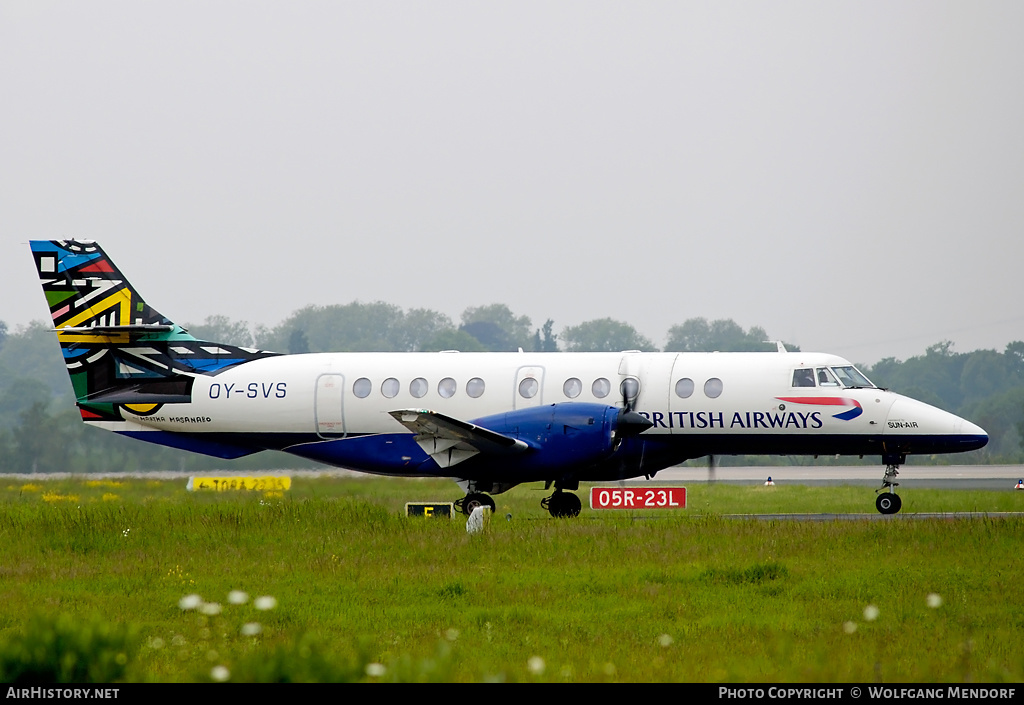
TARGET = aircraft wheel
x,y
572,505
474,500
888,503
564,505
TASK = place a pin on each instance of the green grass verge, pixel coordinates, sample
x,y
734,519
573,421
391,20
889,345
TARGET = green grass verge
x,y
99,569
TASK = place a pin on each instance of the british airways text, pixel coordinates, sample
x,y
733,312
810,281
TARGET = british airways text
x,y
739,419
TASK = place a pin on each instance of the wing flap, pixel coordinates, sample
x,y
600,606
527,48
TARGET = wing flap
x,y
449,441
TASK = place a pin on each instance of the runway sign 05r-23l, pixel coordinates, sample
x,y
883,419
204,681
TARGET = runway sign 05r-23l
x,y
638,498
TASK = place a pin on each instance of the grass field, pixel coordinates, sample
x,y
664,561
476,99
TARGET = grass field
x,y
148,582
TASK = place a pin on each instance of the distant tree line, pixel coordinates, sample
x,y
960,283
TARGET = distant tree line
x,y
382,327
40,428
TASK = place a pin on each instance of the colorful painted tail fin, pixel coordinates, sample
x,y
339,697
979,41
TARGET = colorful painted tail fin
x,y
120,352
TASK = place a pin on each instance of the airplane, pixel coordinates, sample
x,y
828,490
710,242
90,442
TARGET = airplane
x,y
490,421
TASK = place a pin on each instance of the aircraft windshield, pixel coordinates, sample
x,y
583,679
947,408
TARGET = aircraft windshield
x,y
851,377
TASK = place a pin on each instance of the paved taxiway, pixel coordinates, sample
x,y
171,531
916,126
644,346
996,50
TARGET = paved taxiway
x,y
960,477
963,477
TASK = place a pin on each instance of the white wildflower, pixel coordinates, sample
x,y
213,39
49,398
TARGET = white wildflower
x,y
266,602
190,602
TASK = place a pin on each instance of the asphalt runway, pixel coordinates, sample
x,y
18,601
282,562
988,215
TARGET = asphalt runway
x,y
958,477
962,477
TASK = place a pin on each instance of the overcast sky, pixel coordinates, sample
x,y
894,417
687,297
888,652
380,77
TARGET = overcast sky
x,y
847,175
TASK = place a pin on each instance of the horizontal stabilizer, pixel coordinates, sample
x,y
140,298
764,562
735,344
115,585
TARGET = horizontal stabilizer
x,y
449,441
132,330
167,390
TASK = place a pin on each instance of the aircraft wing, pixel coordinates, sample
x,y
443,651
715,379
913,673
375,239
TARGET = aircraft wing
x,y
449,441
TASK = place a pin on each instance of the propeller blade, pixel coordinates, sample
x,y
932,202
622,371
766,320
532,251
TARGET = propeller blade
x,y
627,387
711,468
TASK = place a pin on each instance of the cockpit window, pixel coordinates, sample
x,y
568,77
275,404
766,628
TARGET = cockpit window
x,y
803,378
850,376
825,378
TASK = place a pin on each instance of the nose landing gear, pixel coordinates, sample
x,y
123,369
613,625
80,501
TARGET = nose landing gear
x,y
888,502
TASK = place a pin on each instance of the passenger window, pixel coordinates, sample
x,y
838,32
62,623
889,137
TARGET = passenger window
x,y
418,387
684,388
475,387
803,378
825,378
572,387
713,388
601,387
389,388
528,388
362,387
446,387
630,388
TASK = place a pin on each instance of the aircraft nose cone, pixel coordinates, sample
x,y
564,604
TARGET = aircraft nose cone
x,y
974,436
929,429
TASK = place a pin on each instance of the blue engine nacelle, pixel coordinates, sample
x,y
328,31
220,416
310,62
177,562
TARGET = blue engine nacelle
x,y
564,437
563,440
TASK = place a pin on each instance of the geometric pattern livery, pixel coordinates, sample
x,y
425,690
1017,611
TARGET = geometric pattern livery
x,y
118,349
85,289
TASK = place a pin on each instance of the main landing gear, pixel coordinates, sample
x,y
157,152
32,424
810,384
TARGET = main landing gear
x,y
888,502
471,501
562,504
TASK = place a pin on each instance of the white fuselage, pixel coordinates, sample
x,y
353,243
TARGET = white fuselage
x,y
732,403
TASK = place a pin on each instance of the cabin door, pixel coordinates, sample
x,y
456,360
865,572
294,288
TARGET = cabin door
x,y
330,421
